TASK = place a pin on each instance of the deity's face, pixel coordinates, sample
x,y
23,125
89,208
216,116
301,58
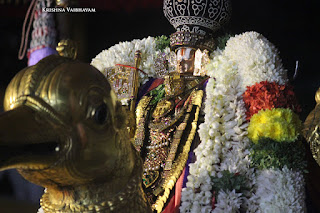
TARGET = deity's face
x,y
185,60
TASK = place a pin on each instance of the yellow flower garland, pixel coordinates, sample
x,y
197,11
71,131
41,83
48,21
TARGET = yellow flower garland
x,y
278,124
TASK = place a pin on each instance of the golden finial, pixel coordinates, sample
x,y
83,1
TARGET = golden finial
x,y
137,59
67,48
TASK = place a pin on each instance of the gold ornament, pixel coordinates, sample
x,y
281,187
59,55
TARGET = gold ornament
x,y
174,84
67,48
311,129
317,96
65,130
168,143
124,80
162,109
200,62
179,164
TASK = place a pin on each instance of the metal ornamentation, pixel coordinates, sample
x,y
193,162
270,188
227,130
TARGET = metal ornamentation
x,y
64,129
197,16
312,129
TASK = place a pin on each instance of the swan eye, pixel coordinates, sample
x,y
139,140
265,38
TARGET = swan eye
x,y
101,114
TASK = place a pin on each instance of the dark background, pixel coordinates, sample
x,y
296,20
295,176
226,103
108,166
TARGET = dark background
x,y
290,25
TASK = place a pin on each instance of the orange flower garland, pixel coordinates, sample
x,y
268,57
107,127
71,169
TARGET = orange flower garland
x,y
266,95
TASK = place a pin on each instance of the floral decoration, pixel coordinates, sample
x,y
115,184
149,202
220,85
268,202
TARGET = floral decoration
x,y
269,95
229,181
270,154
224,143
248,59
278,124
123,53
280,190
162,42
257,59
247,80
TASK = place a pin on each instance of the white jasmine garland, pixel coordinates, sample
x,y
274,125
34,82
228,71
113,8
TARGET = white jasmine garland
x,y
228,202
123,53
223,138
258,60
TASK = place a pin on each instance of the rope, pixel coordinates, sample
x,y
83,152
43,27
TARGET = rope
x,y
25,34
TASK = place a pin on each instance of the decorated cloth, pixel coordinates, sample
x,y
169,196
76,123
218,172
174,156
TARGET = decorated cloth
x,y
250,157
43,42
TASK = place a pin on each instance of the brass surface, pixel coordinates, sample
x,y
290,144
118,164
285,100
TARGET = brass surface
x,y
137,58
67,48
317,97
311,130
64,129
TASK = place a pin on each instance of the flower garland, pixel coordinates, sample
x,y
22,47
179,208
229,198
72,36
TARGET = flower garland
x,y
280,190
246,77
248,59
278,124
223,144
123,53
268,153
257,59
265,95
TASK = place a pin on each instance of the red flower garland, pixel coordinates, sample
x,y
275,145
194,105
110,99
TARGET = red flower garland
x,y
265,95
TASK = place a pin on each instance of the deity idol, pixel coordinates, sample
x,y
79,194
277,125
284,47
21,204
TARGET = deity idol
x,y
217,130
168,114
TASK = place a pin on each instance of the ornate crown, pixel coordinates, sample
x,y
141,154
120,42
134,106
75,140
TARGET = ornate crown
x,y
194,20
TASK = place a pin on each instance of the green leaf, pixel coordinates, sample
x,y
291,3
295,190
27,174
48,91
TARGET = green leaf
x,y
229,181
162,42
268,153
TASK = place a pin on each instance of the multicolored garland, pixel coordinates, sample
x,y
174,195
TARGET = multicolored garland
x,y
247,81
250,157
